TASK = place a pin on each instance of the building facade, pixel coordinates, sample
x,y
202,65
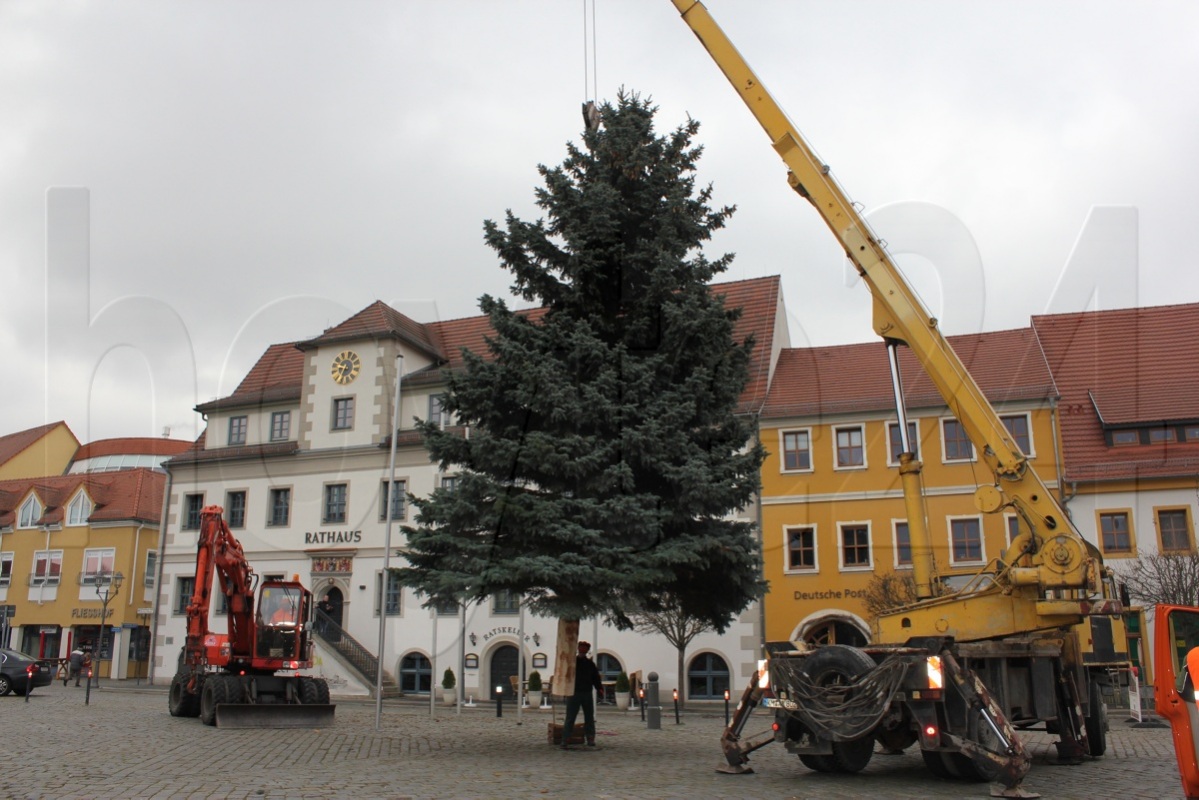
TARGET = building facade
x,y
78,553
298,458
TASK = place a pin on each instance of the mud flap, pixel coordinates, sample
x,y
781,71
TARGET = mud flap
x,y
274,715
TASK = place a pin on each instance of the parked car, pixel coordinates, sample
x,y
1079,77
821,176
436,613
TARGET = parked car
x,y
14,672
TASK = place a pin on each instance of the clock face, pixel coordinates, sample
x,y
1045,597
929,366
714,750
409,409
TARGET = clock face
x,y
346,367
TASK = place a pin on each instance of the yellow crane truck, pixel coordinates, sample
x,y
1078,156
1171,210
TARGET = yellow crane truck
x,y
1027,641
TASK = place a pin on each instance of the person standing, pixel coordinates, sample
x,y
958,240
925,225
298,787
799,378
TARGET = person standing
x,y
587,678
322,619
76,662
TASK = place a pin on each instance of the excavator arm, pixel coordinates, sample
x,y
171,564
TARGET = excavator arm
x,y
219,553
1053,555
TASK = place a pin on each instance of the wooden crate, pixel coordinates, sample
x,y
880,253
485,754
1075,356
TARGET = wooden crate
x,y
554,733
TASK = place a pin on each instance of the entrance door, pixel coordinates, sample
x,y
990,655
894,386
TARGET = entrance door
x,y
336,600
503,667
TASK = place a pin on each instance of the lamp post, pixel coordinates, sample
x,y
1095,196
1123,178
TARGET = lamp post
x,y
107,587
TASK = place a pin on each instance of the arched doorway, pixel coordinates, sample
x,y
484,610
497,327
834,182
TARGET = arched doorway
x,y
708,677
416,674
504,665
336,601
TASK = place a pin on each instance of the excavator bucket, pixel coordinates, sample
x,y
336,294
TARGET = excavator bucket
x,y
274,715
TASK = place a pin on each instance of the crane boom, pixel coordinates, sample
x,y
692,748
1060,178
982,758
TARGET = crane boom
x,y
1050,574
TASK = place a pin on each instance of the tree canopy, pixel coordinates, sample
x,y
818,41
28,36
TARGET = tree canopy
x,y
604,456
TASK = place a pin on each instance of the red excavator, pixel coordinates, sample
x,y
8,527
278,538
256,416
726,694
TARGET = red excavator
x,y
248,677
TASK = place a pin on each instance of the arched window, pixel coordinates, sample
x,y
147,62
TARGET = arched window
x,y
608,666
416,674
707,677
31,512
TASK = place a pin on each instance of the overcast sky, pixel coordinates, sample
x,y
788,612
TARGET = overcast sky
x,y
259,171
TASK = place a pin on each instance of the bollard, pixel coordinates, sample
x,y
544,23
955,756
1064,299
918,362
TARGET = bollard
x,y
29,680
726,708
499,701
87,697
676,708
653,718
641,702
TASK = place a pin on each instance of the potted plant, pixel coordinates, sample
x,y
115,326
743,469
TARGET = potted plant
x,y
448,695
622,691
534,689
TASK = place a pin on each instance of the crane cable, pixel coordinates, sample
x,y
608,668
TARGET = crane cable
x,y
590,82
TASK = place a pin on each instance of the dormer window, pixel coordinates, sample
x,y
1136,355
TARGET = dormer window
x,y
31,512
79,510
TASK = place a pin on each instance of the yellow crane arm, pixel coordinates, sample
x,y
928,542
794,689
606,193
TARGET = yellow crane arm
x,y
1054,555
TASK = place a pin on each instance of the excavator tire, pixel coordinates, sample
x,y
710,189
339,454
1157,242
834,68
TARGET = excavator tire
x,y
936,765
322,691
179,701
212,695
309,693
818,763
837,665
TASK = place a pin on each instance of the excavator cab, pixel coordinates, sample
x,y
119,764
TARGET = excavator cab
x,y
282,620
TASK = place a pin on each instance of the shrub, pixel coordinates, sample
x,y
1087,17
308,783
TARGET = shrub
x,y
534,681
447,680
622,682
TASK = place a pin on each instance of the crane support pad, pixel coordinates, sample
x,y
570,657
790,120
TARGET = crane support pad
x,y
274,715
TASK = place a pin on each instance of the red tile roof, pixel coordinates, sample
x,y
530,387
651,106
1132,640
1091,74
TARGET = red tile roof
x,y
855,378
14,444
279,373
132,495
131,445
1126,368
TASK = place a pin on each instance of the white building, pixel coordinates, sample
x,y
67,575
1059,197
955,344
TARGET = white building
x,y
298,457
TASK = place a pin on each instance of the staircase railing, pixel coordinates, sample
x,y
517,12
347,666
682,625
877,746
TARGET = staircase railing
x,y
337,637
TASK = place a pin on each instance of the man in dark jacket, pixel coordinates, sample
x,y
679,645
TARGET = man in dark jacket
x,y
587,678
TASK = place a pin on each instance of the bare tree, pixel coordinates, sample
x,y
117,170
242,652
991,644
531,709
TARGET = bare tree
x,y
677,627
889,590
1162,578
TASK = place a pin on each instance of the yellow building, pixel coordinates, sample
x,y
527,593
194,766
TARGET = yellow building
x,y
832,507
44,450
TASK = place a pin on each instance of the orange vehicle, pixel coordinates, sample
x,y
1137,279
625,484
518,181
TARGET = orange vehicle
x,y
240,679
1175,662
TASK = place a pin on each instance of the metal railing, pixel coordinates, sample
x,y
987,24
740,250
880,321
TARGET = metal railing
x,y
336,637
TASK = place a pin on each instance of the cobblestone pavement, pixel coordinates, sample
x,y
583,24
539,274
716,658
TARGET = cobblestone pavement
x,y
125,745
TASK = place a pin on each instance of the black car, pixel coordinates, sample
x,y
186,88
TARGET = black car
x,y
14,672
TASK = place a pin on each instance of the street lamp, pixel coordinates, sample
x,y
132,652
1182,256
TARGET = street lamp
x,y
107,587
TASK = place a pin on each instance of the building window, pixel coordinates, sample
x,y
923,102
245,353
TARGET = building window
x,y
895,447
966,541
505,601
1115,532
150,578
609,666
192,505
957,443
237,429
708,677
446,608
184,587
1174,529
397,492
280,513
280,426
235,509
395,592
31,512
1162,435
1125,438
335,503
79,510
1013,528
1017,426
855,546
5,569
797,450
437,415
47,568
801,549
343,413
1191,433
97,565
850,452
449,483
903,545
416,674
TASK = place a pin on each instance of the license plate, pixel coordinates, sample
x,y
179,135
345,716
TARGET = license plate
x,y
774,702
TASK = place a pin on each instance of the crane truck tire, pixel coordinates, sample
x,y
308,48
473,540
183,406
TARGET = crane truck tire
x,y
832,667
1096,721
214,693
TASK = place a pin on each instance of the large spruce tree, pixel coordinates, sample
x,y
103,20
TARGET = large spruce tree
x,y
604,456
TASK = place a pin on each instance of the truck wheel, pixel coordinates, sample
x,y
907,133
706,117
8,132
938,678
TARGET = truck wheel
x,y
309,693
234,691
936,765
1096,722
180,703
818,763
212,695
831,667
322,691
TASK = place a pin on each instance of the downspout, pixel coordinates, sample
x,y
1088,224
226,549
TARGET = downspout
x,y
137,539
162,544
761,547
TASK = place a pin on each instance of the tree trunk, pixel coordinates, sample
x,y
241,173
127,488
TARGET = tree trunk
x,y
682,679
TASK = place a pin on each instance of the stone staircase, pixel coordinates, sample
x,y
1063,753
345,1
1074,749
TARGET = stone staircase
x,y
354,655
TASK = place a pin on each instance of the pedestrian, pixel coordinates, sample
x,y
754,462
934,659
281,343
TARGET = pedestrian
x,y
76,662
587,678
322,619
